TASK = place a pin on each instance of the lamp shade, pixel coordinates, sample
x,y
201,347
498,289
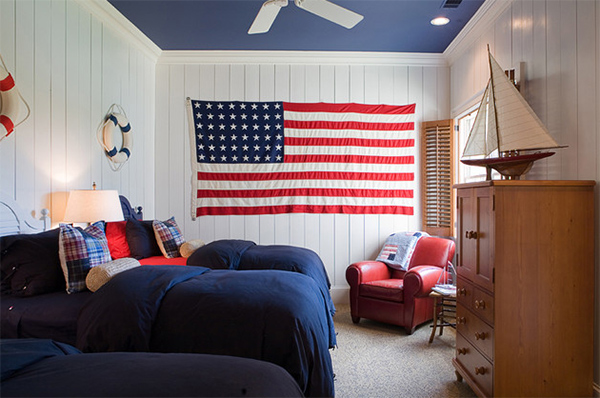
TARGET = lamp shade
x,y
90,205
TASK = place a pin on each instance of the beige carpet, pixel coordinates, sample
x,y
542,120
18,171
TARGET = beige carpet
x,y
378,360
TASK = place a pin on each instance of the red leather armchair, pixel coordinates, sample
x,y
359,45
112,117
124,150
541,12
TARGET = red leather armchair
x,y
401,298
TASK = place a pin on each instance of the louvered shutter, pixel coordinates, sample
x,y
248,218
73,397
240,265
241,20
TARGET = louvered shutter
x,y
437,156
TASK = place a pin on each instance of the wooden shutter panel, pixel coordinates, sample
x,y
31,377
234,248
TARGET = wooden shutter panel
x,y
437,157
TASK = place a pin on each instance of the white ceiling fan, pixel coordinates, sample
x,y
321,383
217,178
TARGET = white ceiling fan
x,y
322,8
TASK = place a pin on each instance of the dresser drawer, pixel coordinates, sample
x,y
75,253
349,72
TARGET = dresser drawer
x,y
478,368
479,333
477,300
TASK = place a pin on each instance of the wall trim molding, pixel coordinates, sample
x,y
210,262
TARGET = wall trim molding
x,y
485,16
111,17
596,388
301,58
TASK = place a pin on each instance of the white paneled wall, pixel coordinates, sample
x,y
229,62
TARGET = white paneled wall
x,y
338,239
559,42
70,67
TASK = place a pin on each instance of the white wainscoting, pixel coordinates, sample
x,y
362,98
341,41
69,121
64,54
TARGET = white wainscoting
x,y
559,42
339,239
70,67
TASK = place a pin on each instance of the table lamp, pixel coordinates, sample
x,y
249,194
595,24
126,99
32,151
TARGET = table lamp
x,y
91,205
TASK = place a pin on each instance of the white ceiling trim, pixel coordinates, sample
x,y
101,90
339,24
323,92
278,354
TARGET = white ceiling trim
x,y
111,17
302,58
485,17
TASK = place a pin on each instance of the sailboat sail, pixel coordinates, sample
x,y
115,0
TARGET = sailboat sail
x,y
505,121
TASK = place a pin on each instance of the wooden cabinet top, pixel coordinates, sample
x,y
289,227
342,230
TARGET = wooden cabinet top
x,y
528,183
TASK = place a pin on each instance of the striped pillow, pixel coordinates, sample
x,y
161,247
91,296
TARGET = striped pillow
x,y
80,250
168,237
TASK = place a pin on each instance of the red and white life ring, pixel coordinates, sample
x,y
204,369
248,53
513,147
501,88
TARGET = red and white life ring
x,y
9,110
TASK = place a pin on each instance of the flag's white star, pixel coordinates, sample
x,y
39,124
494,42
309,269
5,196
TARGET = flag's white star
x,y
232,116
196,104
200,158
234,158
221,116
233,137
222,137
211,126
267,116
244,116
265,106
209,106
223,148
234,148
255,127
256,137
278,116
210,116
277,105
244,126
257,147
278,136
255,117
233,127
211,147
242,106
278,126
245,137
211,137
254,107
267,127
246,158
199,125
223,158
278,157
221,127
220,106
245,147
257,158
232,106
212,158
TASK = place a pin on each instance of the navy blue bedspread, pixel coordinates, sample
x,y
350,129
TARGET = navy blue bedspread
x,y
244,255
44,368
271,315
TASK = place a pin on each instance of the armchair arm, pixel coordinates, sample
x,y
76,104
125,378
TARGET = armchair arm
x,y
419,280
366,271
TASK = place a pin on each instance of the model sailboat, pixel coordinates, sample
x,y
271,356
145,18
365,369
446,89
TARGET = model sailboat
x,y
506,123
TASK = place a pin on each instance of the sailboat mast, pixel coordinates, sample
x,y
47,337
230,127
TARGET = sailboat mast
x,y
493,94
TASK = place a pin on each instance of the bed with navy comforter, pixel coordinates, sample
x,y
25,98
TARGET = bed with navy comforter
x,y
45,368
235,298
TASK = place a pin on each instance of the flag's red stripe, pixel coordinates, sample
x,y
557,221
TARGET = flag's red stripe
x,y
228,211
349,108
271,193
318,141
307,175
349,159
349,125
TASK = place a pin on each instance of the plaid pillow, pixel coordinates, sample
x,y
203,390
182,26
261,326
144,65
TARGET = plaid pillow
x,y
168,237
80,250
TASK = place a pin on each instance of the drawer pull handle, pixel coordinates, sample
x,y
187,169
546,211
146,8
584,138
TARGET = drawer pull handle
x,y
480,304
461,351
479,336
462,291
471,234
480,370
461,320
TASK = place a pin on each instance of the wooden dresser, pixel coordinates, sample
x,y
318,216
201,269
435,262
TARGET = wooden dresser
x,y
525,290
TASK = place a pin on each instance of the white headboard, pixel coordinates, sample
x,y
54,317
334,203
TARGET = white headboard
x,y
14,220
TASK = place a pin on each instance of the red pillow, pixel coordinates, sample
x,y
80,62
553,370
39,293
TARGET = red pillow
x,y
117,240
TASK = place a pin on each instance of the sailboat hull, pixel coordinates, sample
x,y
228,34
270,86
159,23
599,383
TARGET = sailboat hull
x,y
511,167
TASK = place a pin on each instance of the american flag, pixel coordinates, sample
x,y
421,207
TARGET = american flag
x,y
283,157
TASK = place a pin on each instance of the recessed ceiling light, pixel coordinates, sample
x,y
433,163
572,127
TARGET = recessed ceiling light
x,y
439,21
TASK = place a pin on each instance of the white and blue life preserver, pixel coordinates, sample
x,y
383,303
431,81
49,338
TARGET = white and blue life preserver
x,y
117,155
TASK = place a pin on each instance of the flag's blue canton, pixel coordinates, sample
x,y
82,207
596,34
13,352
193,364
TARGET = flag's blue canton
x,y
238,132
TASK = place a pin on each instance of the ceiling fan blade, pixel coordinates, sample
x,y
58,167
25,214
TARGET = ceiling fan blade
x,y
266,16
330,11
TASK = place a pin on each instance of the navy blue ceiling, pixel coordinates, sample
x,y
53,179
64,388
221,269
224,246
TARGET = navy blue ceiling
x,y
389,25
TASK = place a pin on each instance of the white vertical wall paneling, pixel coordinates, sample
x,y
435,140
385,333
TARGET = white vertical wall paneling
x,y
85,131
41,103
96,157
553,85
568,81
587,103
162,135
59,153
191,89
178,144
24,136
7,50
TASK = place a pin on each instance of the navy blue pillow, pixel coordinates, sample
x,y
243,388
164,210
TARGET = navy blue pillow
x,y
220,254
30,264
141,239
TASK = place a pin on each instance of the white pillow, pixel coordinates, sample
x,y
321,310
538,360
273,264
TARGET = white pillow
x,y
102,273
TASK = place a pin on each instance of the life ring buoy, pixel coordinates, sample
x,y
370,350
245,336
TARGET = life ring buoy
x,y
10,103
120,155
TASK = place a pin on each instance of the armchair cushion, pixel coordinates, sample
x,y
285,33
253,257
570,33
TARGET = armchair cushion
x,y
387,289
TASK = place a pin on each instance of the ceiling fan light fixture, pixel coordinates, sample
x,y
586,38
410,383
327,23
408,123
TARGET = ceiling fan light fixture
x,y
440,21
